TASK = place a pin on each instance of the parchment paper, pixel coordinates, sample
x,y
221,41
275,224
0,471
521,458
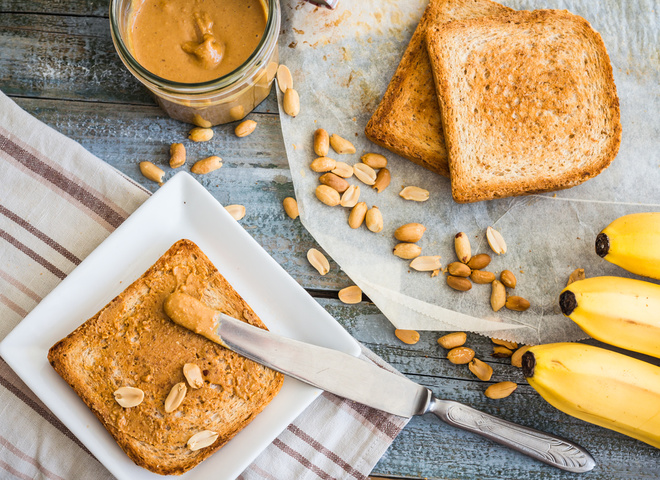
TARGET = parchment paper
x,y
342,61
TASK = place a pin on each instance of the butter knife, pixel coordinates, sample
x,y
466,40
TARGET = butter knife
x,y
362,382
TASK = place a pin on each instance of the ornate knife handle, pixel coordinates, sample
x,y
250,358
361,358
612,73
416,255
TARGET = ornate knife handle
x,y
545,447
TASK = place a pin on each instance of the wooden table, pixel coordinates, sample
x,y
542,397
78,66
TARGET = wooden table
x,y
57,61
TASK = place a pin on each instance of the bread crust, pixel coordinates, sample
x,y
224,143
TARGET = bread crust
x,y
131,342
506,160
407,120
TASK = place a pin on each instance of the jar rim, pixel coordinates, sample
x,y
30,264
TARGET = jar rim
x,y
201,87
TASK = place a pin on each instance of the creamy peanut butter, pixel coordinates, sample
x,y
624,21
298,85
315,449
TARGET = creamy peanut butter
x,y
193,41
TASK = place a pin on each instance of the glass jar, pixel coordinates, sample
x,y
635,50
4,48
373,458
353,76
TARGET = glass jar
x,y
226,99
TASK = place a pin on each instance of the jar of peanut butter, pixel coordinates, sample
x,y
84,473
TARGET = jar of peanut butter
x,y
207,62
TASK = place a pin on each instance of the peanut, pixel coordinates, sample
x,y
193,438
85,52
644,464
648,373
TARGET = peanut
x,y
461,284
516,358
200,134
318,261
495,240
407,336
365,173
284,78
508,279
482,277
201,440
497,295
481,370
236,211
128,397
462,247
327,195
578,274
350,295
356,217
333,181
291,102
519,304
245,128
374,160
321,142
291,207
504,343
415,194
501,352
458,269
152,172
427,263
410,232
350,196
374,219
193,375
383,179
206,165
175,397
500,390
177,155
452,340
460,355
341,145
407,251
322,164
479,261
343,169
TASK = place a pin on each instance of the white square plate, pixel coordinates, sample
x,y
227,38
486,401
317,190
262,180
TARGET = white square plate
x,y
182,208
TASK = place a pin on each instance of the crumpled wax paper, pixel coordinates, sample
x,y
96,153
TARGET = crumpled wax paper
x,y
342,61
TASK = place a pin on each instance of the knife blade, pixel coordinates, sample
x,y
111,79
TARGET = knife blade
x,y
362,382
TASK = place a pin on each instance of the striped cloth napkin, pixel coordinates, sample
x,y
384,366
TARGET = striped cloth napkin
x,y
57,203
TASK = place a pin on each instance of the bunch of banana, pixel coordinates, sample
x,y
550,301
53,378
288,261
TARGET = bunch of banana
x,y
633,242
619,311
598,386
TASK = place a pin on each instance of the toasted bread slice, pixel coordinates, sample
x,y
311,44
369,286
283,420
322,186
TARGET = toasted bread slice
x,y
131,342
407,120
528,103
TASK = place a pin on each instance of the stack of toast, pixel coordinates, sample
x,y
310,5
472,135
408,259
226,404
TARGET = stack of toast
x,y
502,102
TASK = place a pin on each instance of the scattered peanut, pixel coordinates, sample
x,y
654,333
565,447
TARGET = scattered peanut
x,y
206,165
426,263
482,260
500,390
291,207
458,269
177,155
343,170
356,217
482,277
284,78
236,211
495,240
505,343
245,128
508,279
516,303
407,336
410,232
291,102
374,160
501,352
461,284
415,194
383,179
318,261
460,355
128,397
516,358
350,295
175,397
200,134
327,195
578,274
322,164
341,145
365,173
452,340
321,142
462,247
407,251
193,375
374,219
350,196
152,172
481,370
333,181
497,295
202,440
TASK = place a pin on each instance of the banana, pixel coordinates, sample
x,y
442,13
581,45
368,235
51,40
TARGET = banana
x,y
598,386
633,242
619,311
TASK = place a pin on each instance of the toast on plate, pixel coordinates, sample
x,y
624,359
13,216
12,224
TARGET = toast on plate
x,y
528,103
132,343
407,120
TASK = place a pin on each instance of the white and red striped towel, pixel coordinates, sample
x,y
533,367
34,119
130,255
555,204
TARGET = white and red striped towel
x,y
57,203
